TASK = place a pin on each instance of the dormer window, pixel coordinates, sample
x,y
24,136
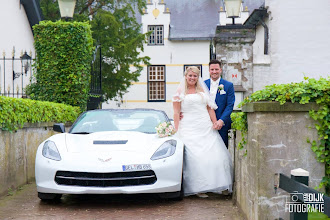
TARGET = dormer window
x,y
157,35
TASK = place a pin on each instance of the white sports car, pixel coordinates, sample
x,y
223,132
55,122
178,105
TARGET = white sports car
x,y
110,152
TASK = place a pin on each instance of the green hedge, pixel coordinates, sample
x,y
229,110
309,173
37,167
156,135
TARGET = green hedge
x,y
14,112
62,64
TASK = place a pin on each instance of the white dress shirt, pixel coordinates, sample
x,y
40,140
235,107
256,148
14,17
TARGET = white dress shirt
x,y
213,91
214,88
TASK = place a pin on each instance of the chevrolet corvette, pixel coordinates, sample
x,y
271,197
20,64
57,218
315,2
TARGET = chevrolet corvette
x,y
110,151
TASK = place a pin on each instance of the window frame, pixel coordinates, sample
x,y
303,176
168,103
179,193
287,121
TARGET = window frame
x,y
150,81
198,65
155,35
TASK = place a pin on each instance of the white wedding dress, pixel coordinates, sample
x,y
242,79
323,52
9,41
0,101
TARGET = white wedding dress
x,y
207,162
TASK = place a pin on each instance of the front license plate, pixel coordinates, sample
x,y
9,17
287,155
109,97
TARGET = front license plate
x,y
135,167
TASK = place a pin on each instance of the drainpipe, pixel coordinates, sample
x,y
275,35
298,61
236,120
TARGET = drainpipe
x,y
266,35
212,54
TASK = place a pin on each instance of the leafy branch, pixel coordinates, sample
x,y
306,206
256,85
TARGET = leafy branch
x,y
239,120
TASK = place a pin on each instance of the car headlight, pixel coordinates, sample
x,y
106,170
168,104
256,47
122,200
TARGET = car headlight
x,y
50,151
165,150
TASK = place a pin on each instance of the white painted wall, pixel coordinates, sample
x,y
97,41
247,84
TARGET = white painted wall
x,y
299,42
173,54
261,62
15,28
15,32
259,45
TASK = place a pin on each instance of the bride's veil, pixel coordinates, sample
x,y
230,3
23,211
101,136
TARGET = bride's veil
x,y
181,92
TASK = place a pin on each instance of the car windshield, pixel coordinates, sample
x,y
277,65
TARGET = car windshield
x,y
141,120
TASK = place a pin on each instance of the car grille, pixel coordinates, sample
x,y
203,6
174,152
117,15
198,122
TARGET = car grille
x,y
135,178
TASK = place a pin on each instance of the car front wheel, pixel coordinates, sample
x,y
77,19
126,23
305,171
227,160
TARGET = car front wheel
x,y
49,196
180,197
176,196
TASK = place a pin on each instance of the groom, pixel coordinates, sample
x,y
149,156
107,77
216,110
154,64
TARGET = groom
x,y
223,93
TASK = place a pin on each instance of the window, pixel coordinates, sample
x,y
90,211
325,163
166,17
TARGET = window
x,y
157,35
199,66
156,83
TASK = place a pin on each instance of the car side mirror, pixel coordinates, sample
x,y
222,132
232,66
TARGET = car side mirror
x,y
59,127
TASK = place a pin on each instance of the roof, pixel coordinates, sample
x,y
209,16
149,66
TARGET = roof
x,y
198,19
193,19
256,16
33,11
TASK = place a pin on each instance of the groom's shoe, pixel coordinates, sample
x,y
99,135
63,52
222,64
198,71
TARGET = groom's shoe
x,y
202,195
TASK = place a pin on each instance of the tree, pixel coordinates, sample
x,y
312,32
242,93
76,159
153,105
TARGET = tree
x,y
115,28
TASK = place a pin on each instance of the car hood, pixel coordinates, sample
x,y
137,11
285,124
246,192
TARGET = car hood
x,y
112,141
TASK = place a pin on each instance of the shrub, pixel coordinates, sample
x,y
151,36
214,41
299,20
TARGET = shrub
x,y
63,61
15,112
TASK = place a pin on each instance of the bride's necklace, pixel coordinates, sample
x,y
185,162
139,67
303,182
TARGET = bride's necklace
x,y
191,90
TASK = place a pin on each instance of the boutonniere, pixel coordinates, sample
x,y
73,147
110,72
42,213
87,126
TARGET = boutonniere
x,y
221,89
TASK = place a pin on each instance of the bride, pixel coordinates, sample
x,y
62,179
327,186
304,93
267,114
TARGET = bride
x,y
207,162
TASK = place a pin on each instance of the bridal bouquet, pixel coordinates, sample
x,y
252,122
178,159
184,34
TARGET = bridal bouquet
x,y
165,129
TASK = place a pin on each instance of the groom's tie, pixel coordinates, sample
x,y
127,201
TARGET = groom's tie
x,y
213,89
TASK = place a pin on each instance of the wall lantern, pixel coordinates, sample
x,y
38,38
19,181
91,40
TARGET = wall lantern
x,y
67,8
233,8
25,60
26,63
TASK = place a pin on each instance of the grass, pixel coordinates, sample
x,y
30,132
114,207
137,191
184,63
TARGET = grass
x,y
317,216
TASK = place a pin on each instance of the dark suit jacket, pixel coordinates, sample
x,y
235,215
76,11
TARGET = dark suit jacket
x,y
225,104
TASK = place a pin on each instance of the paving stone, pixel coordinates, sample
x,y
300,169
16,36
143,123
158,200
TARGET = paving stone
x,y
24,204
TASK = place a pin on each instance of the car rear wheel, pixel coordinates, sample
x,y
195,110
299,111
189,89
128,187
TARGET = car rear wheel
x,y
49,196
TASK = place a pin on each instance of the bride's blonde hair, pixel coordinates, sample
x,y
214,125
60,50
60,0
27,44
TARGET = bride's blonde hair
x,y
193,69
